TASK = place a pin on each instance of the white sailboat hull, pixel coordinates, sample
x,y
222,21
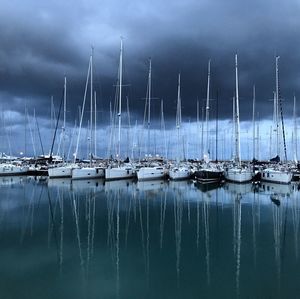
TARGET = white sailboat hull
x,y
238,175
60,172
151,173
10,169
87,173
118,173
179,173
276,176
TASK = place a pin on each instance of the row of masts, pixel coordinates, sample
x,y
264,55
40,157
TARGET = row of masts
x,y
148,111
181,147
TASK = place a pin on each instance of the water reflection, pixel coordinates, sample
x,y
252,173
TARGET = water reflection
x,y
296,221
159,239
153,186
178,207
206,196
118,185
283,190
208,187
61,228
163,205
255,211
87,185
60,183
237,192
11,180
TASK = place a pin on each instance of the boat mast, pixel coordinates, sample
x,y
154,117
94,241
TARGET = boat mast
x,y
111,135
163,128
120,97
258,139
270,147
25,128
149,103
279,102
198,126
274,126
64,121
253,121
82,111
233,152
91,112
207,115
52,117
237,137
129,141
39,135
95,124
202,129
178,117
295,131
217,126
276,112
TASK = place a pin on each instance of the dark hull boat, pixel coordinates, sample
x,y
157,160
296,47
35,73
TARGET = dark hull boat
x,y
209,175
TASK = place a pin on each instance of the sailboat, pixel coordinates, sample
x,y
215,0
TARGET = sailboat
x,y
208,173
179,171
237,172
64,170
152,170
91,171
126,170
277,173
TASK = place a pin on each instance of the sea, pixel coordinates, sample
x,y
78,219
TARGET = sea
x,y
62,239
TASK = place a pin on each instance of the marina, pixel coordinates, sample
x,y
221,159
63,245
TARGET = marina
x,y
150,165
149,149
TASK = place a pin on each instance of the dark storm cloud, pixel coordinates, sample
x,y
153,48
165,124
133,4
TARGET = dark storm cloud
x,y
43,41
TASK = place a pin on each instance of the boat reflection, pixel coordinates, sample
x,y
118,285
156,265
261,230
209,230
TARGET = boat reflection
x,y
237,192
11,180
178,210
87,184
238,189
60,183
237,239
180,185
118,184
76,185
296,222
284,190
277,193
163,205
277,213
205,216
154,185
208,187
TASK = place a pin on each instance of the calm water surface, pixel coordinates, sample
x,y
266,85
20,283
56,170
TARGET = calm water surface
x,y
124,239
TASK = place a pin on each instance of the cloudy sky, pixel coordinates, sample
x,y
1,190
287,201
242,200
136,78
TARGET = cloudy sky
x,y
42,41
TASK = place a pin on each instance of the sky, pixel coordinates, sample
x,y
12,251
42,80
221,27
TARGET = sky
x,y
43,41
